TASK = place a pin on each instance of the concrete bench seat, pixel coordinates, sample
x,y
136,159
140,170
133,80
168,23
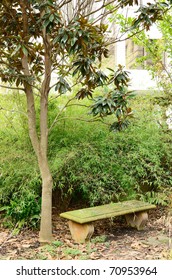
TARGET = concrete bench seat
x,y
81,221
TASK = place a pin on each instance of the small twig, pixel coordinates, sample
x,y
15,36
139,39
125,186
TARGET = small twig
x,y
56,118
81,105
83,120
13,88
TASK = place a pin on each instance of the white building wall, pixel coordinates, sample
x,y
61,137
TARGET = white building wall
x,y
141,80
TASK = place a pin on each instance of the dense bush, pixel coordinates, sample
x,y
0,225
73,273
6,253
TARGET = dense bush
x,y
120,167
103,166
87,162
20,184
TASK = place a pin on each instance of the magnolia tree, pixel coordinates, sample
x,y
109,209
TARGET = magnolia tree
x,y
67,38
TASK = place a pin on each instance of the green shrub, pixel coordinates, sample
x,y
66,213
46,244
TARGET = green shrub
x,y
20,184
18,168
23,209
88,162
126,165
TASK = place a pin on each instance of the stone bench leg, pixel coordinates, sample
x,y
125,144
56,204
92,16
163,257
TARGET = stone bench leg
x,y
137,220
81,232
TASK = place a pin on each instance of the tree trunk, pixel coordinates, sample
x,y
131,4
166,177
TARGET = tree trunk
x,y
40,148
40,144
45,234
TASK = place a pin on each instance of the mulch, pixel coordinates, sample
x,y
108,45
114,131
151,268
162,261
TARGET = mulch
x,y
112,240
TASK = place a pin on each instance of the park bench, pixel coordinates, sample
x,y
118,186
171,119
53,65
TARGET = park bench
x,y
81,221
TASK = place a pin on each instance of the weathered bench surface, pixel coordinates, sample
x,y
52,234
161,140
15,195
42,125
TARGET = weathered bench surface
x,y
91,214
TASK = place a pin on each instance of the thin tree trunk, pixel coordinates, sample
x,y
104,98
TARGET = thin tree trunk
x,y
45,234
40,148
40,144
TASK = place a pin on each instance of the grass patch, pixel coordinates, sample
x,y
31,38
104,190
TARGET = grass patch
x,y
99,239
72,252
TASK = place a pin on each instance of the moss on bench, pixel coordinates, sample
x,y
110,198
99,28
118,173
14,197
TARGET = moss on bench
x,y
91,214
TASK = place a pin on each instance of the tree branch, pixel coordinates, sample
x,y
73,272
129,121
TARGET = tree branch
x,y
61,111
113,41
13,88
104,5
96,119
64,3
31,111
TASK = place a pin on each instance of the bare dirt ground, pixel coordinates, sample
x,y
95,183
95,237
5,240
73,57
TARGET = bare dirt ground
x,y
112,240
